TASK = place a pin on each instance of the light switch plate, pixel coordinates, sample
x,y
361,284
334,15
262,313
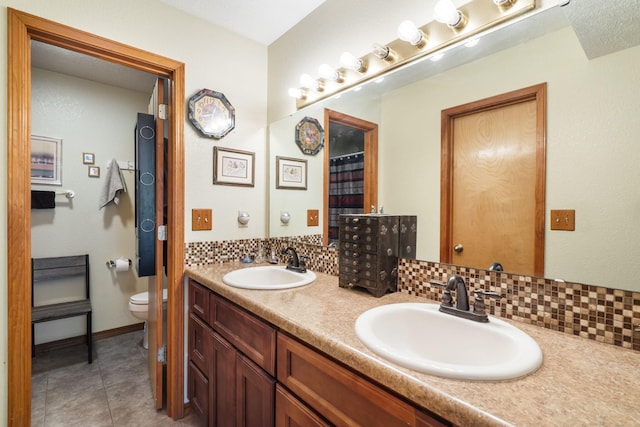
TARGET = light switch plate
x,y
313,217
200,219
563,219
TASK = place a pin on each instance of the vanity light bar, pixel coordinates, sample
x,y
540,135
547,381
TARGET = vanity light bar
x,y
480,16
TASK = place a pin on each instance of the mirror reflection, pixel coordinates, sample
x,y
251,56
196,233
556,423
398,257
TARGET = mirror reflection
x,y
591,148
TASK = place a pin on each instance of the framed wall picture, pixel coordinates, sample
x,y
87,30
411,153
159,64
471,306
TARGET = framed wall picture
x,y
291,173
94,171
46,160
233,167
88,158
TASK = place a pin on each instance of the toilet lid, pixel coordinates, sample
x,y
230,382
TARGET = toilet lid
x,y
143,297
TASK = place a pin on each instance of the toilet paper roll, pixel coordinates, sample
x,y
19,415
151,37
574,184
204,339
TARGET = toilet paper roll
x,y
122,265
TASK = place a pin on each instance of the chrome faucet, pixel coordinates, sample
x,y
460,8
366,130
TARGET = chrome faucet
x,y
461,309
295,263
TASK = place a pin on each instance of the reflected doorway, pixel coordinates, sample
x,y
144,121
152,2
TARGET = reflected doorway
x,y
350,169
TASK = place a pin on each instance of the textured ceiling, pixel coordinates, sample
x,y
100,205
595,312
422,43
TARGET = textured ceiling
x,y
604,26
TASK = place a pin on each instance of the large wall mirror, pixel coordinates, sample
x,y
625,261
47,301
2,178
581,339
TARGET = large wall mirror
x,y
592,148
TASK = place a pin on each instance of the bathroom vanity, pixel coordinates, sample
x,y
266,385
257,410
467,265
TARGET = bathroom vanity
x,y
233,380
297,360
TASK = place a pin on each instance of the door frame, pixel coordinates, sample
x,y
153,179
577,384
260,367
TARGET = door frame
x,y
536,93
370,130
22,28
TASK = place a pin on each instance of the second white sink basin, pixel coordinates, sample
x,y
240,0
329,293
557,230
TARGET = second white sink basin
x,y
419,337
267,277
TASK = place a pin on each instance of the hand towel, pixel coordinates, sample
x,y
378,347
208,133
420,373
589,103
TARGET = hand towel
x,y
113,186
43,199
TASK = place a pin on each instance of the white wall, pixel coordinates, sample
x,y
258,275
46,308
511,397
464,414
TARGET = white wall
x,y
99,119
215,59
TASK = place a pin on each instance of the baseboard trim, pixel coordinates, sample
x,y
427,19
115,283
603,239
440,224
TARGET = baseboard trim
x,y
73,341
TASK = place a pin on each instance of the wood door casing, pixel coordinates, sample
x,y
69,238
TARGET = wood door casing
x,y
370,130
21,29
492,120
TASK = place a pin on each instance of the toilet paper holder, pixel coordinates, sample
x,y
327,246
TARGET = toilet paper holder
x,y
112,264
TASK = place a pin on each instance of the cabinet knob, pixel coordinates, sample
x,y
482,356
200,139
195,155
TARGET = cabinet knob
x,y
458,248
355,237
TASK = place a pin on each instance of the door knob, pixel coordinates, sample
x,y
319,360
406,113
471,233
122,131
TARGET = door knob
x,y
458,248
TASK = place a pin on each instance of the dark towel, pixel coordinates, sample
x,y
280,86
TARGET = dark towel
x,y
43,199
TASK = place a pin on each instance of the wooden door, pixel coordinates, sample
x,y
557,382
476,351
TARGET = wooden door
x,y
156,320
493,183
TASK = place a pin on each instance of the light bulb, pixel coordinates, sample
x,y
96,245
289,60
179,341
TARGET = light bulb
x,y
447,13
296,93
327,72
309,82
351,62
408,32
382,52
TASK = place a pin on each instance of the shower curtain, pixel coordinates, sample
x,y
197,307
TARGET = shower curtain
x,y
346,189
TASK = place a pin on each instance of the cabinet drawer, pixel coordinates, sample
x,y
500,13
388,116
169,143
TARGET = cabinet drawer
x,y
198,393
362,247
364,239
252,336
199,342
356,258
339,394
199,300
291,412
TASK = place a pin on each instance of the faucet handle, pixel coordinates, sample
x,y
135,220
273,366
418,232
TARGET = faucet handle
x,y
479,306
490,294
303,260
447,299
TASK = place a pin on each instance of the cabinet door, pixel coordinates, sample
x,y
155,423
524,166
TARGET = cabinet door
x,y
199,343
340,395
290,412
223,382
255,395
198,392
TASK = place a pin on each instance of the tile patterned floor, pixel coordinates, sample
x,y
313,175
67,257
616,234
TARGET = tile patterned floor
x,y
113,391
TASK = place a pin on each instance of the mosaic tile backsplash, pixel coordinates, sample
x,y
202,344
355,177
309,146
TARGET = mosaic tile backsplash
x,y
611,316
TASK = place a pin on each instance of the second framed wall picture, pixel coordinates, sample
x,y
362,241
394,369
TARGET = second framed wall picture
x,y
291,173
233,167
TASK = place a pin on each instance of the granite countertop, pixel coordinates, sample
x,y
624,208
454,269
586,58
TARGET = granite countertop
x,y
581,382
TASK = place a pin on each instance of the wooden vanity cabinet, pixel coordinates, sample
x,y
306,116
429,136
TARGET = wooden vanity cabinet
x,y
227,382
234,357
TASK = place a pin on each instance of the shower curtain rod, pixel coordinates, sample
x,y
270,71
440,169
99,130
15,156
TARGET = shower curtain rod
x,y
346,155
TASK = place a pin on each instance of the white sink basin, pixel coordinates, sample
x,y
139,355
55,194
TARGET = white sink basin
x,y
419,337
267,277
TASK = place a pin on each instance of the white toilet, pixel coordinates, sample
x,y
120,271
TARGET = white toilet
x,y
139,308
